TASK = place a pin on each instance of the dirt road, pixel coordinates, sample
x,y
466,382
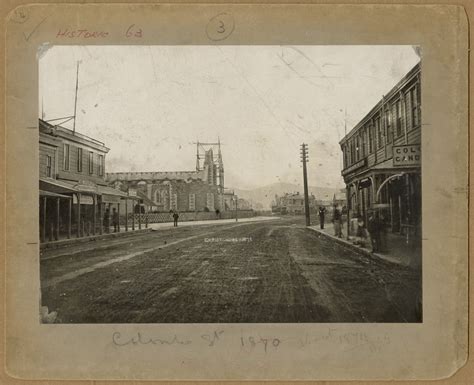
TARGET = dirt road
x,y
273,271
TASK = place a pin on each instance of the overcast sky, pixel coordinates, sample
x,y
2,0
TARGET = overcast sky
x,y
149,103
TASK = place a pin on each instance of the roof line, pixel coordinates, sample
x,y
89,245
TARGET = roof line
x,y
385,98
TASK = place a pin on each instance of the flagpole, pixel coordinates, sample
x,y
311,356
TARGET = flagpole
x,y
345,121
75,99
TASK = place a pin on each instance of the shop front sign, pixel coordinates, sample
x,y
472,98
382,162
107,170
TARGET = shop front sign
x,y
110,198
408,155
85,200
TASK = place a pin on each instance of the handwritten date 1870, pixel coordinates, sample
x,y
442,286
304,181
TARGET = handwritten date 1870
x,y
252,342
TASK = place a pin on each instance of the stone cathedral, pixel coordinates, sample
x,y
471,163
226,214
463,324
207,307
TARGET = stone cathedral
x,y
184,191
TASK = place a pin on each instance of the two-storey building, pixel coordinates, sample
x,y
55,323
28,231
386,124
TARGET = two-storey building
x,y
292,203
72,187
382,158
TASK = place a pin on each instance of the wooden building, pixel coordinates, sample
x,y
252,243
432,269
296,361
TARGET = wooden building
x,y
72,188
292,204
382,159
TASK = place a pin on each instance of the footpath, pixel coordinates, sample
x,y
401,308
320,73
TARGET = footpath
x,y
395,249
145,228
157,226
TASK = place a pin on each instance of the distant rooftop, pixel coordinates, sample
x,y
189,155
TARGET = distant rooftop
x,y
409,75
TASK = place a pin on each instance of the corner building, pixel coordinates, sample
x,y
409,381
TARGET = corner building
x,y
382,159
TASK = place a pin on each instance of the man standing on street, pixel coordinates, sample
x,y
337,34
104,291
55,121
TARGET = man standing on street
x,y
115,219
322,212
106,221
175,219
336,220
373,227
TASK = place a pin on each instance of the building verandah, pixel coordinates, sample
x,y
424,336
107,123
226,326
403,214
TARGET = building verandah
x,y
72,210
394,193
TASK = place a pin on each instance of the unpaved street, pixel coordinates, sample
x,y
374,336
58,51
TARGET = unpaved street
x,y
272,271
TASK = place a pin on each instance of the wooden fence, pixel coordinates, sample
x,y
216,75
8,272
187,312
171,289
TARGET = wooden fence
x,y
185,216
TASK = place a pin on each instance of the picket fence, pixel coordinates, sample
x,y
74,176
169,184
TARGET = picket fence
x,y
185,216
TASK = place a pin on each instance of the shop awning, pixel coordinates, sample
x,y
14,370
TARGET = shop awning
x,y
56,186
111,195
385,165
53,195
60,186
106,190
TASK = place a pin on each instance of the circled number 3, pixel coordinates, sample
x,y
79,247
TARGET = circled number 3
x,y
221,27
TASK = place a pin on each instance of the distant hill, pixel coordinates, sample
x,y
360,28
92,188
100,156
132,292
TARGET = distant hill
x,y
266,194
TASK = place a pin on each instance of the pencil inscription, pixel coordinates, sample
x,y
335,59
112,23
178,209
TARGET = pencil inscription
x,y
220,27
81,33
140,339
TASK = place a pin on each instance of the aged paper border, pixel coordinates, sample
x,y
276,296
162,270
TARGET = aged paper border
x,y
435,349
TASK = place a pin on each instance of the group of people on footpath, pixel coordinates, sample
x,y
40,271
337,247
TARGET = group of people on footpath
x,y
373,230
337,219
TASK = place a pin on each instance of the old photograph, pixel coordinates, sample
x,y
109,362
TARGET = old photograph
x,y
230,184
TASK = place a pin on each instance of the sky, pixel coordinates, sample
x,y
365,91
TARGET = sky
x,y
148,104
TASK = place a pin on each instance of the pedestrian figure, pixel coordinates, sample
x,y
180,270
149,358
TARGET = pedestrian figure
x,y
336,220
106,222
115,220
373,227
175,219
322,212
217,213
344,210
360,232
382,232
344,215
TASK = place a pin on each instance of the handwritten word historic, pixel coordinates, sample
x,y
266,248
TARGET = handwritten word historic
x,y
84,33
133,31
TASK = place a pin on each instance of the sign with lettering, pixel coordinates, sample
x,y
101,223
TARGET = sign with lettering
x,y
361,163
408,155
85,200
110,198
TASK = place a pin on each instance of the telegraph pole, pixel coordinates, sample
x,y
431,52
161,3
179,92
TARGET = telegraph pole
x,y
304,159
